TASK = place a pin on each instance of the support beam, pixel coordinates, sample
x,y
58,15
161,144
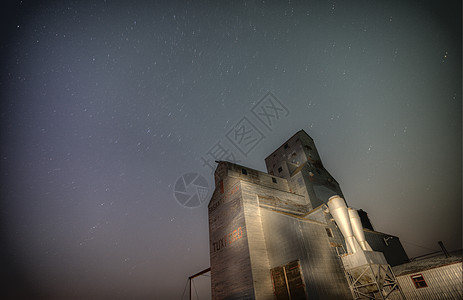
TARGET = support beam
x,y
200,273
196,275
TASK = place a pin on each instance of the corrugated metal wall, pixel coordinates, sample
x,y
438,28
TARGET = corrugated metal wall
x,y
290,239
443,283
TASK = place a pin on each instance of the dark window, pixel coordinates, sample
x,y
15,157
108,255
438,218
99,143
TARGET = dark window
x,y
329,232
274,180
308,147
286,146
280,169
244,171
418,281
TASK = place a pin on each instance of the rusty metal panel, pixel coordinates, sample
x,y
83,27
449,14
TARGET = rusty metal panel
x,y
288,283
279,283
295,281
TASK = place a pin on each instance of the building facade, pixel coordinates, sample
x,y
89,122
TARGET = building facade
x,y
437,277
271,236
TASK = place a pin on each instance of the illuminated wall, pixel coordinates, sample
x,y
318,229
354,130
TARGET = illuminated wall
x,y
263,226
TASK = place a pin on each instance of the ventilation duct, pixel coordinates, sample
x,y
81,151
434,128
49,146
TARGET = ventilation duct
x,y
357,228
338,210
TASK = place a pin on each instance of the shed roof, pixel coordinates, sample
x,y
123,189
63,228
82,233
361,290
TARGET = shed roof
x,y
436,261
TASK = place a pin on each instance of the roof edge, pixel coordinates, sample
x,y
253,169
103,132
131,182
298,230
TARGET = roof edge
x,y
300,131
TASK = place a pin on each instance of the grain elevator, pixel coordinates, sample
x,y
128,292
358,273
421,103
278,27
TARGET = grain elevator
x,y
288,233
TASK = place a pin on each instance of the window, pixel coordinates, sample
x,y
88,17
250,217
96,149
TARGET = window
x,y
244,171
418,281
280,169
274,180
308,147
329,232
286,146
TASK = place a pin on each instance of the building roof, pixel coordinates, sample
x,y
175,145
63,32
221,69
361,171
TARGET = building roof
x,y
436,261
282,145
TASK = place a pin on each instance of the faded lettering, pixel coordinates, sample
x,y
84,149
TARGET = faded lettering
x,y
230,238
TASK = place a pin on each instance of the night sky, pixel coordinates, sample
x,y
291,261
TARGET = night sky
x,y
105,105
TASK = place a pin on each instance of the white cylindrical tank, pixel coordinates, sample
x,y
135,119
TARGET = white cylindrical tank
x,y
357,228
338,210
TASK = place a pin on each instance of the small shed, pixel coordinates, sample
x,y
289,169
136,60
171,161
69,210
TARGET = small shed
x,y
436,277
